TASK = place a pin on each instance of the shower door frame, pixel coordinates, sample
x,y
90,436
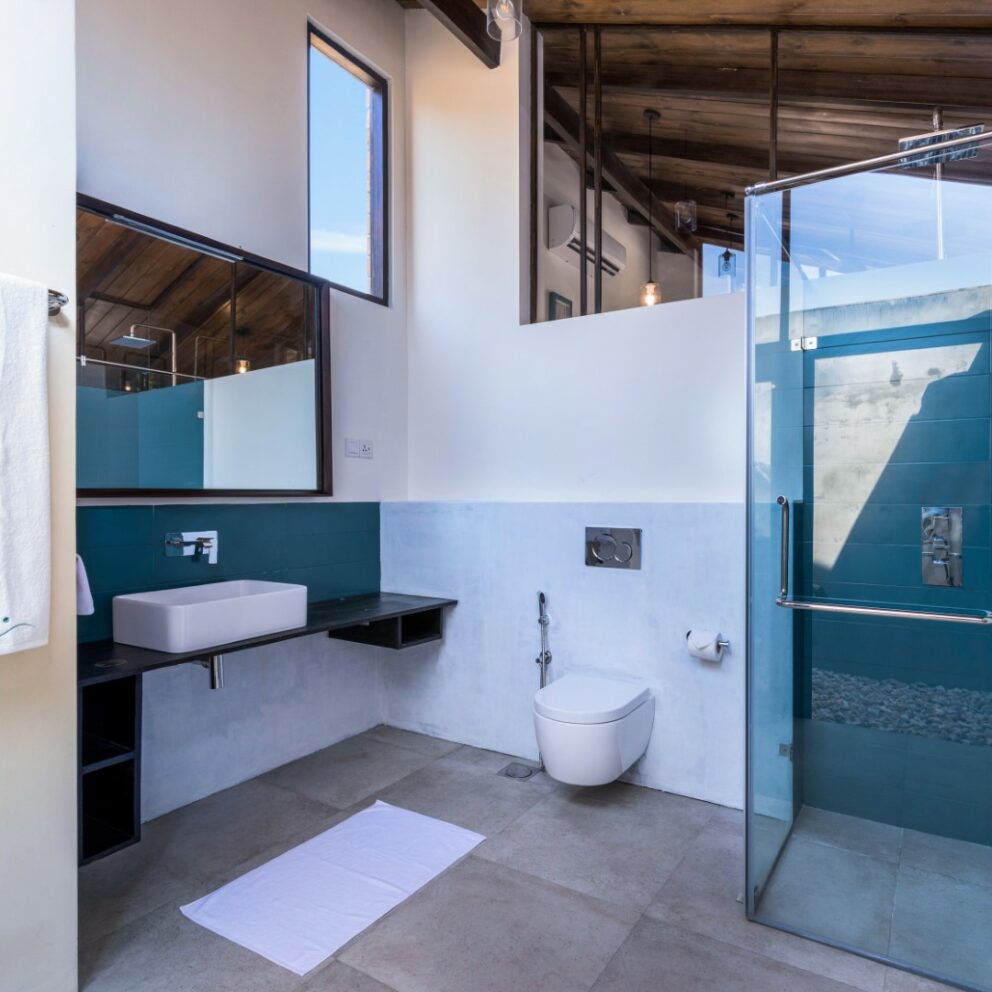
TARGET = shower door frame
x,y
785,186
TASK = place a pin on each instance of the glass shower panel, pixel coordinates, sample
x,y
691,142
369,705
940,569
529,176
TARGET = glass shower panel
x,y
870,679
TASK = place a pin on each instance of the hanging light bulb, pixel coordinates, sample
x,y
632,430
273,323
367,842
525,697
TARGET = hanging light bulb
x,y
728,259
726,263
503,19
651,293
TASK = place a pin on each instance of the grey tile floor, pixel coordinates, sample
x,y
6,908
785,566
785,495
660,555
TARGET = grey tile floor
x,y
911,896
618,889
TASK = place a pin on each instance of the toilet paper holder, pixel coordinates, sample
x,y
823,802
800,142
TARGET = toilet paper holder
x,y
722,643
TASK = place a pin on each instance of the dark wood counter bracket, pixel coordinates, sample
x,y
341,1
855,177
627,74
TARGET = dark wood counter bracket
x,y
109,742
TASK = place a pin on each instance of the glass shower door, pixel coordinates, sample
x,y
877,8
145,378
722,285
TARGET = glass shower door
x,y
870,659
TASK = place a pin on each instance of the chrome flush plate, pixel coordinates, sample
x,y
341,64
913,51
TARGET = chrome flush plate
x,y
613,547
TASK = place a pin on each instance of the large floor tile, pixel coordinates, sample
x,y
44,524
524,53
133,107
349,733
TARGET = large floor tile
x,y
658,957
484,803
339,977
619,842
486,928
947,856
228,827
165,952
704,895
434,747
853,833
833,893
903,981
127,885
942,924
479,760
345,773
182,849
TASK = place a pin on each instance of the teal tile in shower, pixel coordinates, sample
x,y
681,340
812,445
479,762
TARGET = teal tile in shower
x,y
332,548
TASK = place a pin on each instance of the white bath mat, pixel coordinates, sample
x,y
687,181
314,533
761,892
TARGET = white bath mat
x,y
299,908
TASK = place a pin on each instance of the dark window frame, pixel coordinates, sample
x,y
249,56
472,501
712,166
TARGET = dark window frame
x,y
324,452
379,172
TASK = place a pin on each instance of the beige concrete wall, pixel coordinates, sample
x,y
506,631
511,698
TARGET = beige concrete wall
x,y
38,688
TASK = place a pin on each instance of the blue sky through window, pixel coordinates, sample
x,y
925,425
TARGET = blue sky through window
x,y
340,202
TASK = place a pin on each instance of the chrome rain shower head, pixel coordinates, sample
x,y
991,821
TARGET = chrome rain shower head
x,y
131,340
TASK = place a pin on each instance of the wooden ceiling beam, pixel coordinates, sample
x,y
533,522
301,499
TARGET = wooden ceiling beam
x,y
810,14
751,85
746,156
467,23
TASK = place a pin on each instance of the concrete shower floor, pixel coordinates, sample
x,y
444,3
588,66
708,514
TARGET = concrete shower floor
x,y
910,896
619,889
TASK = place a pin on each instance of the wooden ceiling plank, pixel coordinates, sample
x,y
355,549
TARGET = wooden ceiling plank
x,y
751,85
764,13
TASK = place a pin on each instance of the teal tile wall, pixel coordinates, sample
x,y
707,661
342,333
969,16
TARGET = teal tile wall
x,y
146,440
943,456
331,548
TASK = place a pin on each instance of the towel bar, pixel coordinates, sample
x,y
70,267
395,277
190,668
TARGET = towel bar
x,y
56,301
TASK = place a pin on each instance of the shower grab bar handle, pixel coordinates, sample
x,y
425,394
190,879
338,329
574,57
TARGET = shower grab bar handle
x,y
784,565
813,606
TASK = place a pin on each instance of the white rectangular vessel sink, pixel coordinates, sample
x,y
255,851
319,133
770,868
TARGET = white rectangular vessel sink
x,y
194,617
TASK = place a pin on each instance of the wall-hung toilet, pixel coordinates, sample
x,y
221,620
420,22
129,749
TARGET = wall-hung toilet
x,y
591,730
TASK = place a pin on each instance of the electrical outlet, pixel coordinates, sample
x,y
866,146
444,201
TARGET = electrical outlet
x,y
366,448
352,448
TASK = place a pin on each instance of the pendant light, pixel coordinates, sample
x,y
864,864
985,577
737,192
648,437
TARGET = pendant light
x,y
650,294
503,19
727,262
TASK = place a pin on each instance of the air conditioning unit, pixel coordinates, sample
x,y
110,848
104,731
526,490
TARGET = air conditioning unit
x,y
564,241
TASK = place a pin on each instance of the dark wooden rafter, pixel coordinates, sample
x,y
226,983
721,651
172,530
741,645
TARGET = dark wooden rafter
x,y
597,41
752,85
745,156
930,14
626,186
583,162
467,23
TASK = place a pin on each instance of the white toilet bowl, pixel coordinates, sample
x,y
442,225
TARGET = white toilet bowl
x,y
591,730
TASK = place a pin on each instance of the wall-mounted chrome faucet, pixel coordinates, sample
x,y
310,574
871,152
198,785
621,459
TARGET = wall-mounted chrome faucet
x,y
943,545
200,544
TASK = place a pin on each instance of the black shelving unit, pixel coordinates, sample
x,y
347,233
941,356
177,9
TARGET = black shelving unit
x,y
109,787
110,701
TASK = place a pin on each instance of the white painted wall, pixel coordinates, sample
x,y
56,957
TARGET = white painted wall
x,y
196,114
636,405
38,688
477,685
259,429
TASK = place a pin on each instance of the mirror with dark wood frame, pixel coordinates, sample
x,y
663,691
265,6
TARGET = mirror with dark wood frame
x,y
200,368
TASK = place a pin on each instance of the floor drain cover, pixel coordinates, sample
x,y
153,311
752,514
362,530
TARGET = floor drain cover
x,y
516,769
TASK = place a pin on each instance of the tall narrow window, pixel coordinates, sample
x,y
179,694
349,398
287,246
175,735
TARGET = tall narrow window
x,y
348,199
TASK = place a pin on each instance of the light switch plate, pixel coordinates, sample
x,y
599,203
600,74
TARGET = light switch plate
x,y
352,448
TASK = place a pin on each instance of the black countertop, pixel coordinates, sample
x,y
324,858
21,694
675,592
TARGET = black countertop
x,y
101,661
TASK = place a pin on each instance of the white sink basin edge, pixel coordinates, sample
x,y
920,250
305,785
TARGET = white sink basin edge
x,y
191,618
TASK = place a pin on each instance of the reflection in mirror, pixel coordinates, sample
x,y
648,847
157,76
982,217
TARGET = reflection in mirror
x,y
197,370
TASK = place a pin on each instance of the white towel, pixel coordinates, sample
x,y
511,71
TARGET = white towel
x,y
84,595
25,523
